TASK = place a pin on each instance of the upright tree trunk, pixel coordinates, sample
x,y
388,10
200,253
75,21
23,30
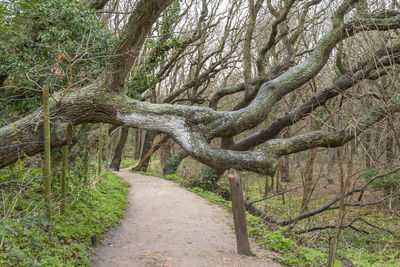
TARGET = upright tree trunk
x,y
165,152
352,151
309,177
278,177
344,184
266,186
284,164
144,161
331,165
138,143
367,141
308,181
375,148
367,146
148,141
285,171
116,161
389,145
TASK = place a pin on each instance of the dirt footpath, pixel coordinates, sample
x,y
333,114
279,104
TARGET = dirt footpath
x,y
166,225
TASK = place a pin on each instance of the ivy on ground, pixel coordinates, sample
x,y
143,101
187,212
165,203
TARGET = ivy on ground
x,y
25,240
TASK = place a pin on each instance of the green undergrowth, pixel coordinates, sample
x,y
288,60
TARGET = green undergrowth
x,y
373,247
128,162
91,210
383,259
378,248
293,254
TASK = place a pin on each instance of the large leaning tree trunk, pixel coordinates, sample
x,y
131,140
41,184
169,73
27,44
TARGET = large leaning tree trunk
x,y
119,149
193,127
147,146
28,132
145,160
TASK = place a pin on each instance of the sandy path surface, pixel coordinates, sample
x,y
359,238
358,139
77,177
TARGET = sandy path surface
x,y
166,225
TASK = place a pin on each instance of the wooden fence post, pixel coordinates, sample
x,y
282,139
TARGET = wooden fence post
x,y
47,152
106,141
239,215
99,157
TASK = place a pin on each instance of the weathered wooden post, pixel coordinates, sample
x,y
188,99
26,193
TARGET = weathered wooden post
x,y
47,152
106,140
239,215
99,157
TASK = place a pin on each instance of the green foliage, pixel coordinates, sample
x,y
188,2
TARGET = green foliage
x,y
128,162
368,259
80,158
389,183
213,197
293,253
206,180
173,164
41,42
25,241
366,249
177,179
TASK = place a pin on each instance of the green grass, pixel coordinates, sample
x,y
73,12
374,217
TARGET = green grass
x,y
364,258
91,211
128,162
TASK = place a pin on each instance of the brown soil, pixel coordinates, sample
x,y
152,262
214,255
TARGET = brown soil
x,y
166,225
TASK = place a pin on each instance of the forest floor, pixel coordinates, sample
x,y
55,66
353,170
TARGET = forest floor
x,y
166,225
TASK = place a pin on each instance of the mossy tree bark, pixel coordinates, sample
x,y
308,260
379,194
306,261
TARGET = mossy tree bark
x,y
193,127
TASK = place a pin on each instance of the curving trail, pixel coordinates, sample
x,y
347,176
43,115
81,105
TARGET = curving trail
x,y
166,225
